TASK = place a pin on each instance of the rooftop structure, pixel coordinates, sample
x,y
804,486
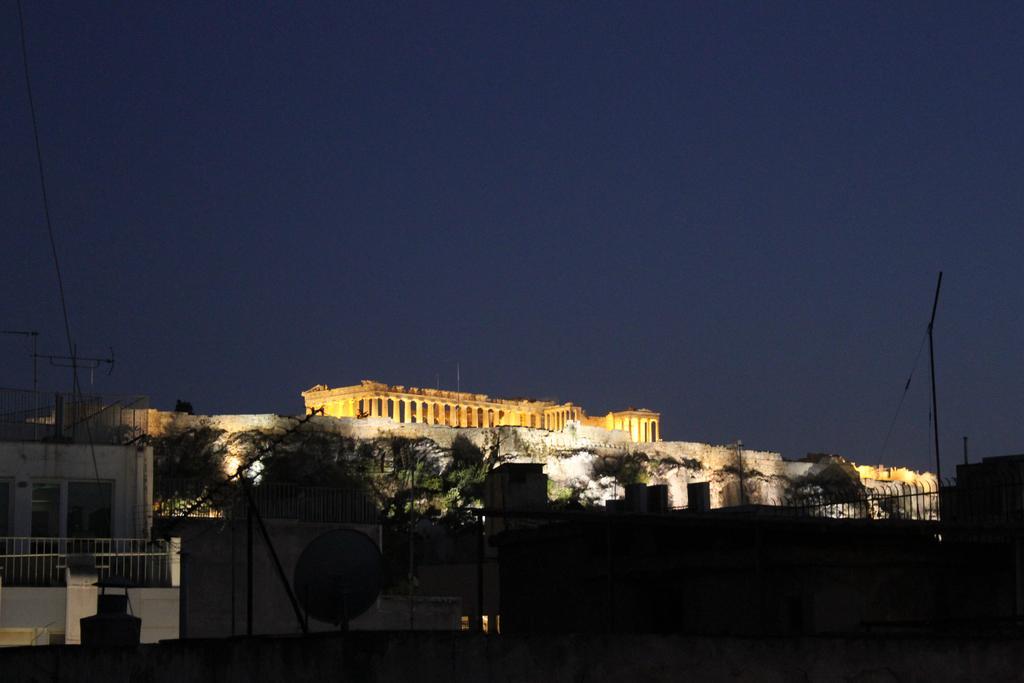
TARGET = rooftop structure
x,y
72,515
71,417
464,409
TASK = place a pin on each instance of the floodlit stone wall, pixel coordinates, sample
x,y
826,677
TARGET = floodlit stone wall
x,y
578,459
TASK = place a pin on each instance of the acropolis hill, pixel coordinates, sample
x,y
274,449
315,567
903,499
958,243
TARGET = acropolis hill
x,y
586,458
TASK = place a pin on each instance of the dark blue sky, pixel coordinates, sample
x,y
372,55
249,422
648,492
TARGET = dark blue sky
x,y
730,212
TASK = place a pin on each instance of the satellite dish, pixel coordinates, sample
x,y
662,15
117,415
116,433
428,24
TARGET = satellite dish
x,y
337,576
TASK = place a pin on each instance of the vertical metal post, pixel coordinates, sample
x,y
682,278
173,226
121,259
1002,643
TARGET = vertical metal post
x,y
35,362
412,539
234,610
759,580
739,464
254,512
35,386
183,597
609,617
249,572
479,573
935,402
58,415
965,450
1018,565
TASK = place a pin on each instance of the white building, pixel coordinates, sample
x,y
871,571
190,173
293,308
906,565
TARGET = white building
x,y
73,515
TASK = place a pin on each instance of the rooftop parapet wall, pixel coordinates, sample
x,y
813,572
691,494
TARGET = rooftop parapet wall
x,y
400,656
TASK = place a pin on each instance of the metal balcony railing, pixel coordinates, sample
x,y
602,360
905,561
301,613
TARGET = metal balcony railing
x,y
194,498
36,561
997,498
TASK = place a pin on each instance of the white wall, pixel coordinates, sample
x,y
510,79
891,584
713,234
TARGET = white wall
x,y
391,613
129,468
41,608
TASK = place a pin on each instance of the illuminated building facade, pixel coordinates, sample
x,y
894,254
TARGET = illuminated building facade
x,y
464,409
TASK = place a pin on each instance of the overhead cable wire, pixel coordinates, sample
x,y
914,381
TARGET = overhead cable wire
x,y
75,386
42,185
903,396
246,467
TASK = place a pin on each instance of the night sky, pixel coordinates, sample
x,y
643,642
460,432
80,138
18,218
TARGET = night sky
x,y
733,213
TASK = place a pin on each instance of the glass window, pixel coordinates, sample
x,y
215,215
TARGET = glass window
x,y
5,508
89,509
46,510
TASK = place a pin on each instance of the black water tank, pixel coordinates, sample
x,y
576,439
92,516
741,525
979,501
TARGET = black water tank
x,y
657,498
111,625
636,498
698,495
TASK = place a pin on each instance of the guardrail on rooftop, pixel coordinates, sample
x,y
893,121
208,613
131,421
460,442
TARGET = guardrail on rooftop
x,y
37,561
994,498
55,416
177,498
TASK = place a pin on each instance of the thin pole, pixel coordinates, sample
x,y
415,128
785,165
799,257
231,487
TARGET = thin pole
x,y
609,581
739,464
233,573
935,402
412,539
183,597
255,512
35,361
965,450
479,625
35,384
249,573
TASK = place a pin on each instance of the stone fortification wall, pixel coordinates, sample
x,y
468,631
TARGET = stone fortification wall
x,y
578,459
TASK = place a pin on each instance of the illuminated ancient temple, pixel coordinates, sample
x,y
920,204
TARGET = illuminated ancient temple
x,y
464,409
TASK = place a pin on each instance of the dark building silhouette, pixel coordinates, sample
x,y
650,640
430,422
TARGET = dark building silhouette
x,y
746,575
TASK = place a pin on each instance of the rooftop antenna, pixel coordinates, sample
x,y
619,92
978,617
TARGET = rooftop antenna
x,y
74,361
931,354
458,378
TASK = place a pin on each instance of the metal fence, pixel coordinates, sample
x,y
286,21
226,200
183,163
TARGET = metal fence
x,y
35,416
196,499
35,561
883,501
997,498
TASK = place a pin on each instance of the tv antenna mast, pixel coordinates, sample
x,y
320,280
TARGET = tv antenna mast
x,y
74,361
935,404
